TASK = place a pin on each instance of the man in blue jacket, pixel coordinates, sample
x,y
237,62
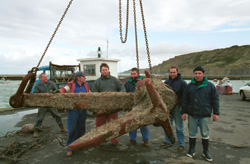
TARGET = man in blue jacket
x,y
130,87
178,85
200,99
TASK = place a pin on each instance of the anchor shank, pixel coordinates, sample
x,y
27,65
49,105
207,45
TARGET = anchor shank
x,y
92,101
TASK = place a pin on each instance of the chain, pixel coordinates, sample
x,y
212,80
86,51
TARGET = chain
x,y
65,12
146,38
120,21
136,41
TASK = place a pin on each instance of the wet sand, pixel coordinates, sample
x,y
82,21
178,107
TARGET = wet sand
x,y
229,142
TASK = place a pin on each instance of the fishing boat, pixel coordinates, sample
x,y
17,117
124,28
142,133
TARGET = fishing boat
x,y
3,81
224,86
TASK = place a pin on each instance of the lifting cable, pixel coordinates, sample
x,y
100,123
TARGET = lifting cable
x,y
52,37
135,25
121,37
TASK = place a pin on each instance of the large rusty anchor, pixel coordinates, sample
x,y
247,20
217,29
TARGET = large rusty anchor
x,y
149,108
150,104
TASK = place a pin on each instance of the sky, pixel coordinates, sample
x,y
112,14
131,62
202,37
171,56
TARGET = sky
x,y
174,27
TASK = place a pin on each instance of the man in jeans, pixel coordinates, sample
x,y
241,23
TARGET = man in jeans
x,y
76,118
130,87
200,99
178,85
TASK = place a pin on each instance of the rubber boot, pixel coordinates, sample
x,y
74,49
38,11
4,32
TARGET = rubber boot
x,y
206,154
62,128
191,151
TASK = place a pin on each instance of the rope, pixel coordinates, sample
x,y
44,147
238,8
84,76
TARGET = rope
x,y
52,37
17,148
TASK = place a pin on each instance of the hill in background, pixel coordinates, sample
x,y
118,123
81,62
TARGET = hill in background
x,y
232,61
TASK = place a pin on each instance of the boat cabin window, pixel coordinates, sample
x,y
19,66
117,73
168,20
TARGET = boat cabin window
x,y
89,70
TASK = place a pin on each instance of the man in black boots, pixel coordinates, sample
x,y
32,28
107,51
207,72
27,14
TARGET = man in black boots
x,y
200,99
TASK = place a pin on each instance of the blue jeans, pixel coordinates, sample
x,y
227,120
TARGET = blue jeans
x,y
144,133
76,124
194,123
179,126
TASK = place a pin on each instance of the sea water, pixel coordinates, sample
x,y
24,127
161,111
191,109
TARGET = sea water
x,y
8,121
236,84
6,91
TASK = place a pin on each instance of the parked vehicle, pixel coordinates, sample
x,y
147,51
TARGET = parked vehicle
x,y
245,91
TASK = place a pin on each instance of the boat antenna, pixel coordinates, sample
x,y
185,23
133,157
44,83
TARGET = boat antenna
x,y
107,18
107,49
54,33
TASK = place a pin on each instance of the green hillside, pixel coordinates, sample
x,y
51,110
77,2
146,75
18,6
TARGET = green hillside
x,y
228,61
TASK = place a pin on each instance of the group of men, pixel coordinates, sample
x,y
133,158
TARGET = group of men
x,y
198,99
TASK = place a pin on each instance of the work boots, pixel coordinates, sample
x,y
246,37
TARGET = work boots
x,y
35,135
62,128
191,151
206,154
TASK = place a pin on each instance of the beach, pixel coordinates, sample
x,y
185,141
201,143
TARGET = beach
x,y
229,141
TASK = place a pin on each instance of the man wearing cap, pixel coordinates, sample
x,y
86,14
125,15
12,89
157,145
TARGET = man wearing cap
x,y
200,99
45,86
107,83
76,117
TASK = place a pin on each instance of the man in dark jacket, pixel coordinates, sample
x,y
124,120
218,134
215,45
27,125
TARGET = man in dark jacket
x,y
178,85
107,83
130,87
45,86
200,99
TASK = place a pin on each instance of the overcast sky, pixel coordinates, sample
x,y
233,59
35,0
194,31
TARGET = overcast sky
x,y
174,27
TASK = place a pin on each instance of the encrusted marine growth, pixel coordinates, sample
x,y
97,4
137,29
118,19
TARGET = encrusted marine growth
x,y
149,108
150,104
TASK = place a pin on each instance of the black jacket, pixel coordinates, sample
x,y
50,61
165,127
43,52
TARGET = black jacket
x,y
200,100
178,85
131,84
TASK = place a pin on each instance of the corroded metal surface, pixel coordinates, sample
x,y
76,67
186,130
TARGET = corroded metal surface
x,y
102,103
16,100
150,104
149,108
